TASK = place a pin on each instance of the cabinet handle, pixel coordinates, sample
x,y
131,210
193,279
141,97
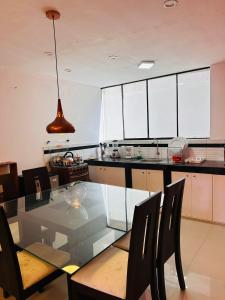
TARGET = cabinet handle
x,y
187,176
142,172
100,168
194,176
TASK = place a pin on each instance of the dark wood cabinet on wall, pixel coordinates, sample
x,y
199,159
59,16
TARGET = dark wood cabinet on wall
x,y
71,174
8,171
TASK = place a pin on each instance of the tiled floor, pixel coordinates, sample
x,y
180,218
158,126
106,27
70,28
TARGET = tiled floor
x,y
203,255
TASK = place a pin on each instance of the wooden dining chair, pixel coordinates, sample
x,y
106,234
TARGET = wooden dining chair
x,y
36,180
21,273
8,187
118,274
169,234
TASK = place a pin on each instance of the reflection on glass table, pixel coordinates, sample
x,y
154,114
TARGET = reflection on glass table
x,y
79,220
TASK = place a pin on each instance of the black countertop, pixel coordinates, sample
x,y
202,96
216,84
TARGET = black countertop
x,y
208,166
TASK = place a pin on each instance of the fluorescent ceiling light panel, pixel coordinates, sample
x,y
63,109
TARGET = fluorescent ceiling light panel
x,y
146,64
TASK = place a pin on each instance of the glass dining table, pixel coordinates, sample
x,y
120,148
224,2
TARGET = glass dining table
x,y
69,226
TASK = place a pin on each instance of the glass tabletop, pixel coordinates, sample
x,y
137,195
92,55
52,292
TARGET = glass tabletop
x,y
69,226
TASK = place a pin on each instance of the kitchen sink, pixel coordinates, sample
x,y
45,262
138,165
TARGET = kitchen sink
x,y
151,160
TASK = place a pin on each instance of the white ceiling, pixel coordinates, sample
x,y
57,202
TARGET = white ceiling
x,y
192,35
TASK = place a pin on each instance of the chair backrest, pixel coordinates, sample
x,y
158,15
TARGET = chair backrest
x,y
8,187
11,279
169,231
36,180
143,243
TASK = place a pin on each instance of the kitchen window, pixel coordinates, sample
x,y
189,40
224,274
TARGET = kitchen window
x,y
194,104
111,125
135,110
163,107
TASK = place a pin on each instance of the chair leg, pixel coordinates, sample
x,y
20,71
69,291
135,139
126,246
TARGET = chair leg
x,y
154,287
74,293
5,294
179,268
41,290
161,282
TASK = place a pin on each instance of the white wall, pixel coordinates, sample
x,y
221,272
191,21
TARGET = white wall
x,y
217,127
28,104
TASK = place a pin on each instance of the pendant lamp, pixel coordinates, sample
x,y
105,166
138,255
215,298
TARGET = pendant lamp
x,y
60,124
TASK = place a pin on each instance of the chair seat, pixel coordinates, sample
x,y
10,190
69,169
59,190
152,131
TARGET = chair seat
x,y
124,242
106,273
54,256
32,269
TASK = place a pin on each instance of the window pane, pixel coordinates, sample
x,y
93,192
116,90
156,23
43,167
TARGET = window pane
x,y
135,110
111,115
162,107
194,104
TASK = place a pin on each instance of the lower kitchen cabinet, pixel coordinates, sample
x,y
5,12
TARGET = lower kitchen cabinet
x,y
107,175
139,179
155,181
219,198
202,196
186,207
148,180
198,196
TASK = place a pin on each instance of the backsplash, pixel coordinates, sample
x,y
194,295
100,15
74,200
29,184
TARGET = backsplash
x,y
209,149
85,151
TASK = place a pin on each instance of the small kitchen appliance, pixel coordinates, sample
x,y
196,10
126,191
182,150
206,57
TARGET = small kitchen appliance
x,y
115,152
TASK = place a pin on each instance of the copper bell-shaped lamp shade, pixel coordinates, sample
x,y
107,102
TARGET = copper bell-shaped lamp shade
x,y
60,124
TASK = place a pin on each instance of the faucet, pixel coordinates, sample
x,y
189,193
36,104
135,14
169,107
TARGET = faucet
x,y
103,148
157,147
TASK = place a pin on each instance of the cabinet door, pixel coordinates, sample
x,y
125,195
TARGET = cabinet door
x,y
54,181
155,180
218,198
186,207
95,174
114,176
202,196
139,179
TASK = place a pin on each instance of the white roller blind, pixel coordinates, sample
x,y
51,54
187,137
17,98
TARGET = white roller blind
x,y
194,104
111,114
162,106
135,110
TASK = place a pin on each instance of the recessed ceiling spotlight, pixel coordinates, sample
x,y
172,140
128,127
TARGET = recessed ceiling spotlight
x,y
68,70
146,64
113,57
170,3
49,53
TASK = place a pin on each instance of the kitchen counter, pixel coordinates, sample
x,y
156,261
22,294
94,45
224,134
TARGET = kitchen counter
x,y
209,166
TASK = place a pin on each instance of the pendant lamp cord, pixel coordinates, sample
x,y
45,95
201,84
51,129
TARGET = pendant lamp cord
x,y
56,58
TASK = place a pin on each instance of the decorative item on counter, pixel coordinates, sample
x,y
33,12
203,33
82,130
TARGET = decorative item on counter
x,y
78,158
195,160
129,152
68,158
139,153
115,153
177,150
102,149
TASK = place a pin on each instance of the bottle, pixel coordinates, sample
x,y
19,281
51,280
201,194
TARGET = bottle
x,y
139,153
